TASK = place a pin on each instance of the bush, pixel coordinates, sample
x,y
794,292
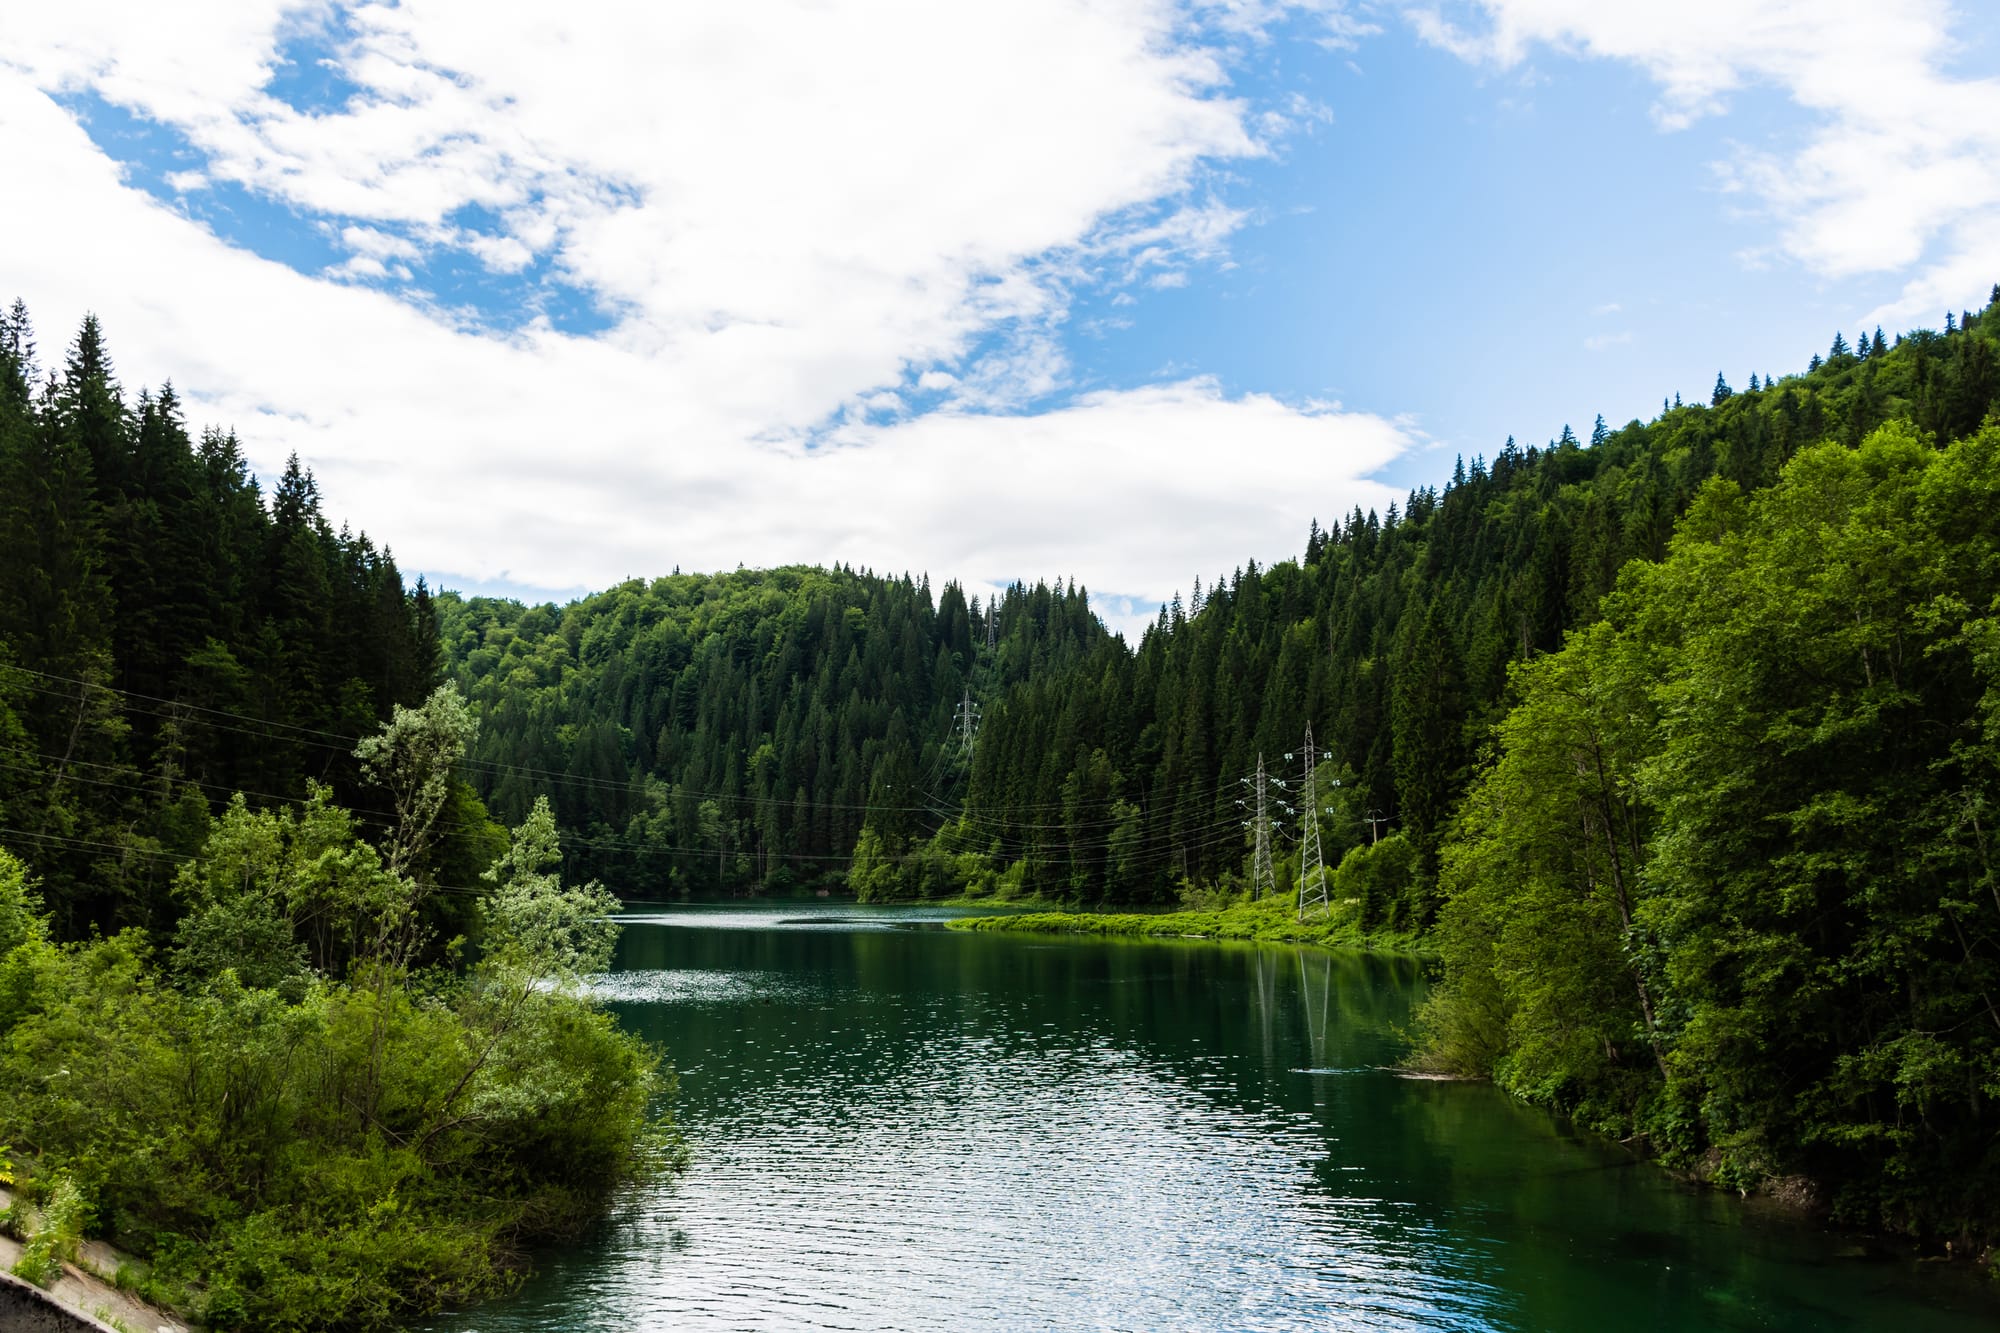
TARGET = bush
x,y
1379,880
316,1152
53,1232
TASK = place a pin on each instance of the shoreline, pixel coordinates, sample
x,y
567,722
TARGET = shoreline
x,y
1270,922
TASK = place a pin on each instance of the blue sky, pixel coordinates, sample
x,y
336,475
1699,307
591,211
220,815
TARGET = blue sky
x,y
1125,291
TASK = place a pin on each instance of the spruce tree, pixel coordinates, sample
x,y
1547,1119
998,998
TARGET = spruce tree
x,y
1427,698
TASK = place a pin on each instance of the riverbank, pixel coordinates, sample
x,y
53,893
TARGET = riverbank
x,y
1025,903
1272,920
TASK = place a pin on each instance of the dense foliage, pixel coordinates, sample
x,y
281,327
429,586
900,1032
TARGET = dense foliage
x,y
297,1127
237,1030
1730,881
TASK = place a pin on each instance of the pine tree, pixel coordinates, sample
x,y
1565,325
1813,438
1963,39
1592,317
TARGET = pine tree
x,y
90,410
1426,698
1599,433
17,359
1839,348
1722,394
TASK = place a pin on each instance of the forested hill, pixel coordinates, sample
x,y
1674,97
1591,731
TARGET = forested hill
x,y
732,732
169,634
743,732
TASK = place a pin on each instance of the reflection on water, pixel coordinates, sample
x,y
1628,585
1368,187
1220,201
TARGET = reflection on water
x,y
897,1127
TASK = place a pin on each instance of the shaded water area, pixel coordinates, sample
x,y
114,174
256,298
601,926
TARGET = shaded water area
x,y
898,1127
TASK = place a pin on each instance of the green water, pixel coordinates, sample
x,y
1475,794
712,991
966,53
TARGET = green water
x,y
896,1127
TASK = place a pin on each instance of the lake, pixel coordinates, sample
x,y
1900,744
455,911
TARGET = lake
x,y
899,1127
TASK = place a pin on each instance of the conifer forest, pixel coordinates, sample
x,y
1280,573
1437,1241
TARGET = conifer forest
x,y
1672,745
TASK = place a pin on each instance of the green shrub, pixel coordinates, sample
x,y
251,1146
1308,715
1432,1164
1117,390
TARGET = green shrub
x,y
54,1230
1379,882
321,1152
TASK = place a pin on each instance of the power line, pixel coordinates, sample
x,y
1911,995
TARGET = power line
x,y
344,745
1167,842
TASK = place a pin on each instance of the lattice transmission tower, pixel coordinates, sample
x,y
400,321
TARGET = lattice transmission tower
x,y
1263,877
965,723
1312,865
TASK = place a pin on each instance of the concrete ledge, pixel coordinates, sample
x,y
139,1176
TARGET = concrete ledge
x,y
26,1308
85,1293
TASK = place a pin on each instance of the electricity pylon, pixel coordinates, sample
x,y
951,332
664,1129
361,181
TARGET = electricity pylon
x,y
1263,878
1312,866
966,723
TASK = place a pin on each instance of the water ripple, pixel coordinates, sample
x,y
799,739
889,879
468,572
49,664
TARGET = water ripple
x,y
925,1131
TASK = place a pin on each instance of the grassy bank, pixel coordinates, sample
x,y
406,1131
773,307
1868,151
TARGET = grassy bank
x,y
1029,903
1270,919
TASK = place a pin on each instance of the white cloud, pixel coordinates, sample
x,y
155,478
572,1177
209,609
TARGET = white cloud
x,y
379,245
1904,167
359,266
839,190
1179,477
1597,342
800,211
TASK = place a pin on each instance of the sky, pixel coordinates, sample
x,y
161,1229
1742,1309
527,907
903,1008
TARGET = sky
x,y
1120,291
